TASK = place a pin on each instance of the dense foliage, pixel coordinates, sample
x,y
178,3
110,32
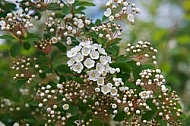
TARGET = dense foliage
x,y
69,70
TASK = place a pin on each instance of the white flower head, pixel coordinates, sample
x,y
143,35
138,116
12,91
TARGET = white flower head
x,y
93,75
97,89
77,67
65,106
85,51
108,12
103,60
70,1
145,94
79,57
100,81
113,91
71,53
131,18
100,67
54,40
85,43
105,89
71,61
94,54
89,63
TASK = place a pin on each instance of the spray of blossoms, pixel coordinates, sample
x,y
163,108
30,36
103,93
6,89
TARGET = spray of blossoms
x,y
78,75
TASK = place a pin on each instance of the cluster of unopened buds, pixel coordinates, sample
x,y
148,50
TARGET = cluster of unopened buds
x,y
119,9
142,53
36,5
69,27
7,104
45,45
108,31
25,69
16,23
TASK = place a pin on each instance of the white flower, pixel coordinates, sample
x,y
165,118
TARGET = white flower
x,y
97,89
113,91
71,53
70,1
107,13
131,17
105,89
85,51
65,106
81,25
145,94
100,81
126,109
54,40
85,43
2,23
79,57
94,54
102,51
77,67
93,75
103,60
71,61
100,67
164,89
89,63
114,106
59,86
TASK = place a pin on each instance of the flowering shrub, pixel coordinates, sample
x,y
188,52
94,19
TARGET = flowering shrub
x,y
77,73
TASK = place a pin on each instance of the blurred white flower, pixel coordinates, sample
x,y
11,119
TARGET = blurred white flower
x,y
107,13
70,1
131,18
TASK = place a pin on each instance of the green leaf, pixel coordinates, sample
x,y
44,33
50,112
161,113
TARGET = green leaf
x,y
53,6
162,123
136,69
96,123
84,3
20,83
7,37
114,50
61,47
15,49
151,105
63,69
66,9
26,45
120,116
124,67
73,110
34,103
148,115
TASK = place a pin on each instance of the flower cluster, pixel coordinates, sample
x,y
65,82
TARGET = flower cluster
x,y
45,45
70,26
25,69
16,23
57,100
108,31
142,52
33,5
7,104
151,80
119,9
92,57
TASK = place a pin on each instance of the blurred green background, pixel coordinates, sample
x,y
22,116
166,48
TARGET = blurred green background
x,y
165,23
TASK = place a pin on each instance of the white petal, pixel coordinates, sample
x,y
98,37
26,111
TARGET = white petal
x,y
107,13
